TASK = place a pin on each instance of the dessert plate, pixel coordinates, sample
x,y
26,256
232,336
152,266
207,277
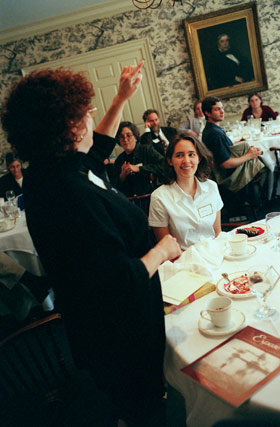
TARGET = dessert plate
x,y
262,231
238,290
238,320
251,249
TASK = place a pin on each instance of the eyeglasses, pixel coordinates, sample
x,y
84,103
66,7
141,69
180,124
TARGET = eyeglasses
x,y
125,135
92,111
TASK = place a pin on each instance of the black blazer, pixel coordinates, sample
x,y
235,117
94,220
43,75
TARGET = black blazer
x,y
8,182
152,139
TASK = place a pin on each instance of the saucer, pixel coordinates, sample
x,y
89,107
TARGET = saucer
x,y
237,322
251,249
262,228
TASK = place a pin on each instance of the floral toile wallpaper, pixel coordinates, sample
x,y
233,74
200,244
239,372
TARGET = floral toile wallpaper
x,y
165,31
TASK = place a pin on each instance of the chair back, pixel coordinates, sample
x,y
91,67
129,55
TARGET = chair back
x,y
41,386
276,171
33,358
143,202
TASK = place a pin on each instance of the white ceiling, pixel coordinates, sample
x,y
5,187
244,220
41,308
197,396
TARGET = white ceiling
x,y
19,12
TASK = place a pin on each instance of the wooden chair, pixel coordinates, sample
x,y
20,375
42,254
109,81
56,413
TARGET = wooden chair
x,y
276,170
143,202
40,385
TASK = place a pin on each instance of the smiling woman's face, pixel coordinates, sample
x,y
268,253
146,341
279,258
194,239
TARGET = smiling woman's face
x,y
185,159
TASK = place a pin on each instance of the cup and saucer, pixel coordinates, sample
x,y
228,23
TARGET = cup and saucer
x,y
239,248
219,318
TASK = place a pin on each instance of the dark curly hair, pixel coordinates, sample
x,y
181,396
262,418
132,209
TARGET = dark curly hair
x,y
134,129
41,109
206,159
208,103
147,113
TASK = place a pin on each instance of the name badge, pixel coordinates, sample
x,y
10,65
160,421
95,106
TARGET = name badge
x,y
205,210
156,140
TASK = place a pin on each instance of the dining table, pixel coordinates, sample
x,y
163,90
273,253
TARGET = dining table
x,y
185,342
18,244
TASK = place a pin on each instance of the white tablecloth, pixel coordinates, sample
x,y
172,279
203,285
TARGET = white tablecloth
x,y
185,344
18,244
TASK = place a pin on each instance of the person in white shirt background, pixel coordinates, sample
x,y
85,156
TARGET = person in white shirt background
x,y
195,124
189,206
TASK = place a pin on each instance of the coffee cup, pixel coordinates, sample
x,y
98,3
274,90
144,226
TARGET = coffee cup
x,y
218,311
238,244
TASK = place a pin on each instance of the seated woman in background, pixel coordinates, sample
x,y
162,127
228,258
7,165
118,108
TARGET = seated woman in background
x,y
13,179
258,110
139,167
189,206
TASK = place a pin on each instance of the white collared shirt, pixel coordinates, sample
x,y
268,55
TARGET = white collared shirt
x,y
188,219
161,134
96,180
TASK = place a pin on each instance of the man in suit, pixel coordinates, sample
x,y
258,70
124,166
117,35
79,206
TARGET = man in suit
x,y
158,137
227,66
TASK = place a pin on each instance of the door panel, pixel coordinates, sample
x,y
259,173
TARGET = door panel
x,y
103,68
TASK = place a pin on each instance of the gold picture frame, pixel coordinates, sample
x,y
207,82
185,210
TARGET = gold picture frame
x,y
222,45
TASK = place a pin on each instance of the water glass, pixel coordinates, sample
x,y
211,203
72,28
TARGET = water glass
x,y
272,220
262,280
10,196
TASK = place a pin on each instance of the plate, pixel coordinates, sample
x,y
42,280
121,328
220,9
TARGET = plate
x,y
222,291
237,322
261,227
251,249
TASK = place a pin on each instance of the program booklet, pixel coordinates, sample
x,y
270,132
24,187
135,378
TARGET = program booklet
x,y
238,367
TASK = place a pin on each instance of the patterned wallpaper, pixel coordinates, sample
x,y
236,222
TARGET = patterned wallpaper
x,y
165,31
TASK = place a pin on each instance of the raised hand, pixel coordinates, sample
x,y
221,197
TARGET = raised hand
x,y
130,80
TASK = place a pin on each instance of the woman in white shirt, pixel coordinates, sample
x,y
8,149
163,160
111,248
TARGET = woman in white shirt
x,y
189,206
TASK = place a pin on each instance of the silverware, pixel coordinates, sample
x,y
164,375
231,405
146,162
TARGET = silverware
x,y
231,286
225,276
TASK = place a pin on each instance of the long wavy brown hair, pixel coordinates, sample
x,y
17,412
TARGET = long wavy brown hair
x,y
206,159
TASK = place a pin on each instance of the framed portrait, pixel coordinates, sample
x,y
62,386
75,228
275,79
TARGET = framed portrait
x,y
226,52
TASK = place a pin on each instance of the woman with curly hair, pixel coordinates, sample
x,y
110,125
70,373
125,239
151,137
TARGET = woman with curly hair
x,y
189,205
93,243
139,167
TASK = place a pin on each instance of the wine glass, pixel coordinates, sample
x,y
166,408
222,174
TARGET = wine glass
x,y
262,280
10,196
272,220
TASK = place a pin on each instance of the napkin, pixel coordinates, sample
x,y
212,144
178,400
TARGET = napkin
x,y
206,255
203,257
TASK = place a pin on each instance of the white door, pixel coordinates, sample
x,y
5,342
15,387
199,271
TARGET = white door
x,y
103,68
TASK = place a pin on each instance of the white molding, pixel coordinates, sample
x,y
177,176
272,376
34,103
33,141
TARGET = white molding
x,y
85,14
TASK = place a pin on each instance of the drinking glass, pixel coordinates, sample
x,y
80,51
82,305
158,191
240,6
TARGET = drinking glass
x,y
11,210
10,195
272,220
262,280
